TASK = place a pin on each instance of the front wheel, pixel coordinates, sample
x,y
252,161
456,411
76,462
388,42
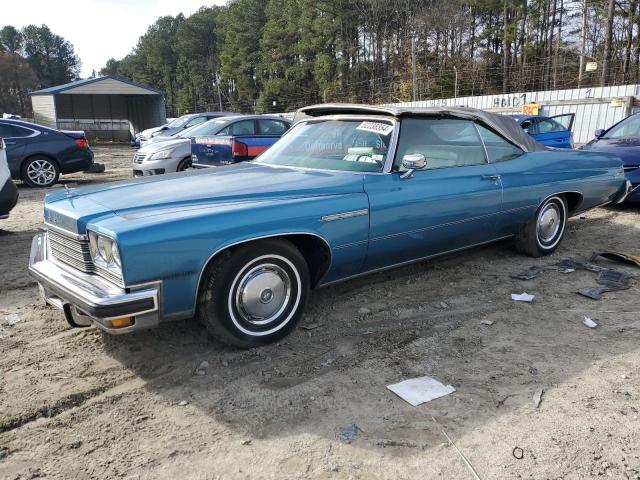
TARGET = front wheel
x,y
545,230
40,172
255,294
184,164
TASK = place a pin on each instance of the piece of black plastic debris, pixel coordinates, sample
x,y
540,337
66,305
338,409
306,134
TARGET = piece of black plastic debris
x,y
528,274
517,453
613,279
347,434
594,293
617,257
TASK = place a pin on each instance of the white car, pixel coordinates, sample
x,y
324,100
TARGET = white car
x,y
8,189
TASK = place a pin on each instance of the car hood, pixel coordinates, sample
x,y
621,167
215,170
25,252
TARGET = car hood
x,y
153,147
243,182
628,149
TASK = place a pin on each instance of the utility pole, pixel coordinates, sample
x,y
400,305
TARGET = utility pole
x,y
608,40
219,94
455,85
413,68
583,41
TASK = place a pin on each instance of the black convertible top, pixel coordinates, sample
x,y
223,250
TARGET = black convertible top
x,y
502,124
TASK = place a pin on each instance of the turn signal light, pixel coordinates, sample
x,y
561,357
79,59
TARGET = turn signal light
x,y
122,322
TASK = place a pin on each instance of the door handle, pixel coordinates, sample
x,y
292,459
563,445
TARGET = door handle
x,y
493,178
9,143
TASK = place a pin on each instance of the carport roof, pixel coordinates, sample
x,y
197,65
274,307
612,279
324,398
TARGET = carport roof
x,y
69,87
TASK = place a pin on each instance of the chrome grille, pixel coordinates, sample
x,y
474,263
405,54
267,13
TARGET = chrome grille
x,y
139,157
71,251
76,254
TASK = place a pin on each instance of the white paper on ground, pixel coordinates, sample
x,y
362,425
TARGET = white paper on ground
x,y
417,391
589,323
522,297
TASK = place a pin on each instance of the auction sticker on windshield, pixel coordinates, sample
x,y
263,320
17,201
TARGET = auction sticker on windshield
x,y
376,127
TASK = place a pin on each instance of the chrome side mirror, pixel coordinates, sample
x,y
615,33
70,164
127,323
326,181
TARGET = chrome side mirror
x,y
412,162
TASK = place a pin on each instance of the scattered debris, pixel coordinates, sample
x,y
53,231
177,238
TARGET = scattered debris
x,y
443,305
202,368
96,168
517,453
533,371
12,319
183,403
247,441
537,396
310,326
364,311
347,434
417,391
617,257
396,443
486,322
589,323
522,297
464,459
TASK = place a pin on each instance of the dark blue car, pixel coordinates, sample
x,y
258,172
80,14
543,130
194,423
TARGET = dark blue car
x,y
623,139
238,139
550,131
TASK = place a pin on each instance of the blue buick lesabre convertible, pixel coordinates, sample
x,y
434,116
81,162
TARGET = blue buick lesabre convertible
x,y
348,190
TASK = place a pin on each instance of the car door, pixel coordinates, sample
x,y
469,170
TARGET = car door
x,y
451,204
16,139
551,133
269,132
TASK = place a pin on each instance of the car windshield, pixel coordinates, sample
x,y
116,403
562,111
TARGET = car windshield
x,y
629,128
203,129
348,145
179,122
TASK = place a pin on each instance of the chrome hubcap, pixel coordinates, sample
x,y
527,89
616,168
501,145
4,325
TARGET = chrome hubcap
x,y
549,223
263,294
41,172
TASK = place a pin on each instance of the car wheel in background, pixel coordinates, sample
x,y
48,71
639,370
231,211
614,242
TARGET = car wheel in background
x,y
184,164
254,294
40,172
545,230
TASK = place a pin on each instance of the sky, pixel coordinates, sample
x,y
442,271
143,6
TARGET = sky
x,y
98,29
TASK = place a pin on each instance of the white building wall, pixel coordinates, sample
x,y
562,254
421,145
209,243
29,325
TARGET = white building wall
x,y
593,106
44,110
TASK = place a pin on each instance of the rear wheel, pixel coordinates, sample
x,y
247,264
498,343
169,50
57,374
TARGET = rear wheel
x,y
184,164
545,230
255,294
40,172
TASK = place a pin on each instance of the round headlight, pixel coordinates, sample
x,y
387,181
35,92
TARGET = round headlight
x,y
104,249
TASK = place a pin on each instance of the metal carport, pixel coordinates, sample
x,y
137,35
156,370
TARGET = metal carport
x,y
106,108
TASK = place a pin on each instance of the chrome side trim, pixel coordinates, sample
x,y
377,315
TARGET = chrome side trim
x,y
409,262
342,216
240,242
62,231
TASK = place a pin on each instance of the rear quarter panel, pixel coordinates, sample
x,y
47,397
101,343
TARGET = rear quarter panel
x,y
532,177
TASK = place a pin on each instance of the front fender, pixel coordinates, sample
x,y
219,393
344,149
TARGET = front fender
x,y
175,247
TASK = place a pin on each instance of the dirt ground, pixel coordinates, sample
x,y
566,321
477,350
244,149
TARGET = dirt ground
x,y
82,404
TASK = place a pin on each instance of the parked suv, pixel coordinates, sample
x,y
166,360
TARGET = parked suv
x,y
37,155
8,190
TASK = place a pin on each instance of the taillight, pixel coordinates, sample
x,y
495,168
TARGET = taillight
x,y
239,149
82,143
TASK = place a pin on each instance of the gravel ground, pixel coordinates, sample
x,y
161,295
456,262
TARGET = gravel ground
x,y
81,404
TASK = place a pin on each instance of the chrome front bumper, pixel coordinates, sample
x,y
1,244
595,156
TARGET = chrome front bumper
x,y
92,299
